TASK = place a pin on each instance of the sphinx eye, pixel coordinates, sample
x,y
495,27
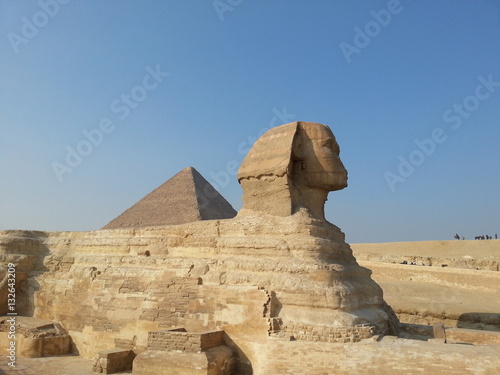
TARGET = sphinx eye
x,y
328,143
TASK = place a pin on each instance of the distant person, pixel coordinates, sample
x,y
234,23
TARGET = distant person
x,y
496,236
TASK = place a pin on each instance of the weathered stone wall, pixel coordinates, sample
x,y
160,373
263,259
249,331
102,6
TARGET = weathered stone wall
x,y
119,305
107,295
327,334
184,341
471,336
109,288
33,337
214,361
112,361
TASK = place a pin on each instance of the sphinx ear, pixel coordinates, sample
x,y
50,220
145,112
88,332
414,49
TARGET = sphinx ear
x,y
298,145
298,166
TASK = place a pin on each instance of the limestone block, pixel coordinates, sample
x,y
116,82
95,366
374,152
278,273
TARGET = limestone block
x,y
180,339
35,347
214,361
36,337
439,332
112,361
471,336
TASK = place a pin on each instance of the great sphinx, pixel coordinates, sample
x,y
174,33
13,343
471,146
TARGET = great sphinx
x,y
278,267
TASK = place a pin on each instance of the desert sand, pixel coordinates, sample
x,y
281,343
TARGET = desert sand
x,y
458,285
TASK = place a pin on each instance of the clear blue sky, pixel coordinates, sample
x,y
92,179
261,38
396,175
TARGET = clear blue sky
x,y
383,75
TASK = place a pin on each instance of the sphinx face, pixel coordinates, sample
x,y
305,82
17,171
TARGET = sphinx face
x,y
317,163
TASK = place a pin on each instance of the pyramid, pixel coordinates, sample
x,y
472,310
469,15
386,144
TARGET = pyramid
x,y
184,198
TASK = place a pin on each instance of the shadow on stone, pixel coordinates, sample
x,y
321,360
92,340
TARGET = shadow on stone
x,y
477,320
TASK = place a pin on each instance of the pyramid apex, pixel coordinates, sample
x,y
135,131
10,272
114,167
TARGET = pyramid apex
x,y
190,169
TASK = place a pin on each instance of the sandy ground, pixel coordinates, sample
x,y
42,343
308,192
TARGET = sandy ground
x,y
458,297
361,353
437,249
426,303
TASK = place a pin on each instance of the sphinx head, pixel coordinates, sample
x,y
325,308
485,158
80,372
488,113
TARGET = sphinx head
x,y
290,167
316,161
